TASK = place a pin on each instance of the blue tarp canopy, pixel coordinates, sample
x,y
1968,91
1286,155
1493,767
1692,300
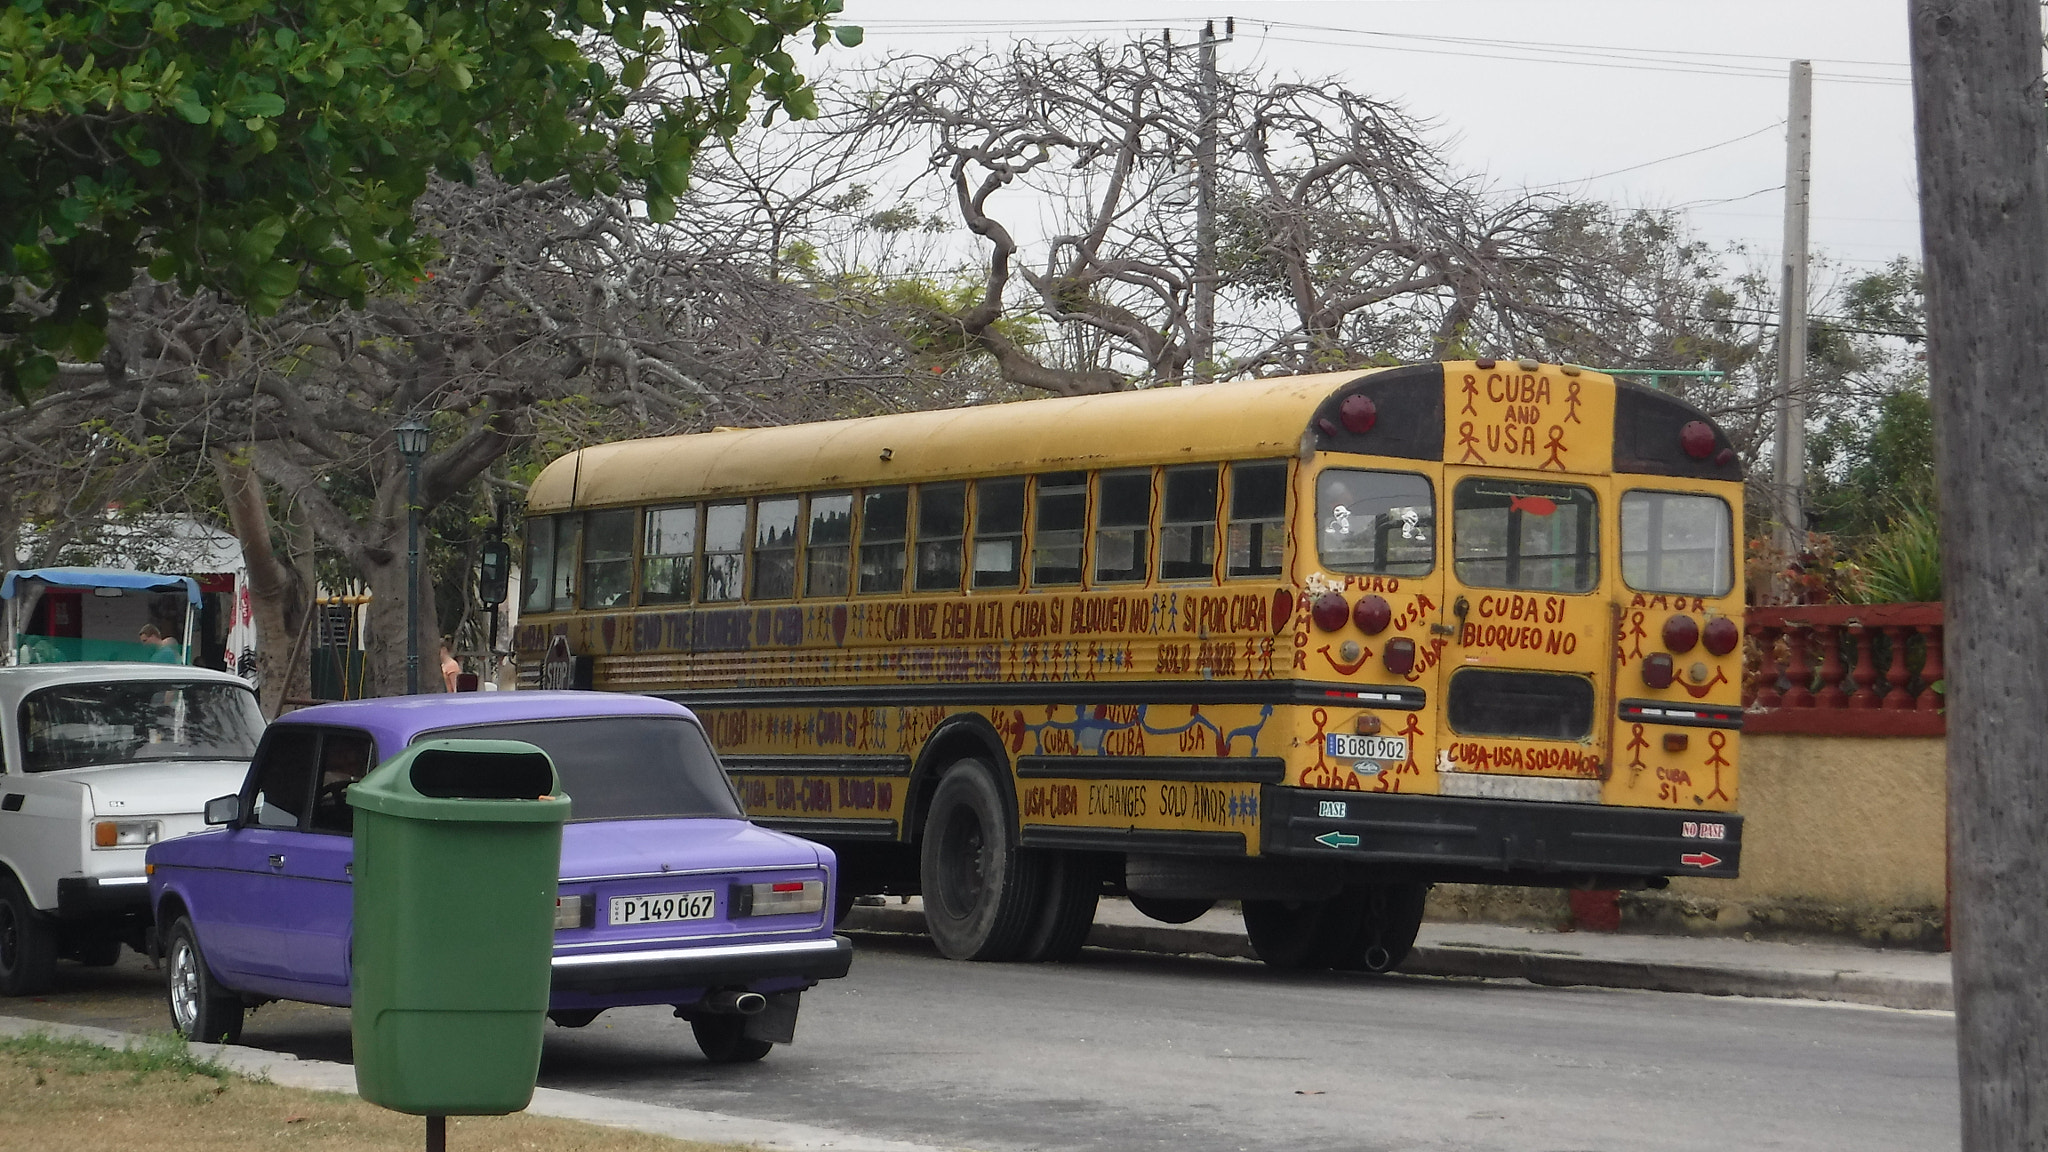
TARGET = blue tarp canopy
x,y
101,578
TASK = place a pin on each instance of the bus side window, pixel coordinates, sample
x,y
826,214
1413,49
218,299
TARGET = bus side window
x,y
1526,535
725,538
884,532
999,533
1062,523
568,533
1123,523
668,565
829,546
1258,518
941,531
775,548
608,558
539,573
1187,524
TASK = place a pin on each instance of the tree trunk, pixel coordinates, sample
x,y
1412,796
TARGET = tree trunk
x,y
280,592
1983,163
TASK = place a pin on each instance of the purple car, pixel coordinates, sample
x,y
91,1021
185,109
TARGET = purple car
x,y
668,895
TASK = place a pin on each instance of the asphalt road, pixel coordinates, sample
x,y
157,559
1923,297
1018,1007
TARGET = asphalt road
x,y
1130,1052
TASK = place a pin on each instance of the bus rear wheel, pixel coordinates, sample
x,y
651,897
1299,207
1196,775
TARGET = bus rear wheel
x,y
983,894
1289,933
1384,919
1073,886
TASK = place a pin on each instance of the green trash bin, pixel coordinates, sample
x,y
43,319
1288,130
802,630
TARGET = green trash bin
x,y
458,845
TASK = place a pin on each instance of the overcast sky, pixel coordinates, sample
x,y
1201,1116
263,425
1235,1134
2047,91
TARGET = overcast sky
x,y
1570,93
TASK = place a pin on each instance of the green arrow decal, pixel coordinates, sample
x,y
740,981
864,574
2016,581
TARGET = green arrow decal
x,y
1337,840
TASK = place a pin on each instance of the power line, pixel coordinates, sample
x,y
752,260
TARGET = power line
x,y
1661,159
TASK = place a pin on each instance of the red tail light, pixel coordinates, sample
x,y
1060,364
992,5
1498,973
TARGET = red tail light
x,y
1680,633
1358,413
1399,655
1722,635
1372,615
1330,611
1657,670
1696,439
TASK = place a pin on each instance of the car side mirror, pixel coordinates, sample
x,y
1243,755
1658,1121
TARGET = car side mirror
x,y
223,809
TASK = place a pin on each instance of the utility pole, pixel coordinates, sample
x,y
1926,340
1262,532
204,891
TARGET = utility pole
x,y
1791,442
1203,336
1983,167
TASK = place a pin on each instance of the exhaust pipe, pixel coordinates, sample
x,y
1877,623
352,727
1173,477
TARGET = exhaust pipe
x,y
736,1003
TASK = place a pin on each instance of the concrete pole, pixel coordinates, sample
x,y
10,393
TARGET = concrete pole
x,y
1790,475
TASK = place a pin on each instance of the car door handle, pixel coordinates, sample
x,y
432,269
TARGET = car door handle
x,y
277,861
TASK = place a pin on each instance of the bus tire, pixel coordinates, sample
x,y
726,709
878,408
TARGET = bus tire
x,y
1072,889
1289,933
1171,910
1387,917
982,893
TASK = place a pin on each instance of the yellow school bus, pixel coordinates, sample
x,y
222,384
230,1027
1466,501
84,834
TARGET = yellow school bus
x,y
1188,644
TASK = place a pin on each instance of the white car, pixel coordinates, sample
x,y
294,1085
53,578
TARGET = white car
x,y
103,760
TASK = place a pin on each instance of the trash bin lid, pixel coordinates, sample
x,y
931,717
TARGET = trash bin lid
x,y
499,781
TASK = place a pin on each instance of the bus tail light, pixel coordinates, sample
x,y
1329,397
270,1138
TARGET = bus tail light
x,y
1680,633
781,898
1358,413
1330,611
1657,670
1399,654
1372,614
1722,635
1696,439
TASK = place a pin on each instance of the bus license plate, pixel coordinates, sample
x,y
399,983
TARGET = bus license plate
x,y
668,906
1346,746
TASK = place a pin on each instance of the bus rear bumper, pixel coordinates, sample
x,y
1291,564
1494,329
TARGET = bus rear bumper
x,y
1463,840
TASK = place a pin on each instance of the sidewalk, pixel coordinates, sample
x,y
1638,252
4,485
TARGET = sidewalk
x,y
1714,966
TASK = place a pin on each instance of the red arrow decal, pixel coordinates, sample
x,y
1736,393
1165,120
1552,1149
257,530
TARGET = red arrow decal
x,y
1699,859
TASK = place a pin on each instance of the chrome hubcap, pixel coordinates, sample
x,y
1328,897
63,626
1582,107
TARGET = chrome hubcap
x,y
184,986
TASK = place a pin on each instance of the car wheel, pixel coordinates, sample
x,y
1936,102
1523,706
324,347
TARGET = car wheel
x,y
723,1040
1073,887
1389,916
28,943
202,1009
981,893
573,1017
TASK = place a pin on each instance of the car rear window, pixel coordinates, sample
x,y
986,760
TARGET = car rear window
x,y
621,767
126,722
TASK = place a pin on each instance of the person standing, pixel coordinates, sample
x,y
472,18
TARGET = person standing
x,y
451,669
166,648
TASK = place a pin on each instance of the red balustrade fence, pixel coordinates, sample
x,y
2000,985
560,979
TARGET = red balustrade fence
x,y
1844,670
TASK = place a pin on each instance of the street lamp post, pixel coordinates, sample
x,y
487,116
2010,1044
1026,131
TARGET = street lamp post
x,y
412,435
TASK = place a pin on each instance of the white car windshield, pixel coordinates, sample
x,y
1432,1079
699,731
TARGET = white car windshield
x,y
123,722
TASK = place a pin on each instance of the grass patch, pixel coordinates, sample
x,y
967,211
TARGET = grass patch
x,y
156,1094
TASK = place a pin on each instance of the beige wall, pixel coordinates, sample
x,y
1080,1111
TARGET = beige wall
x,y
1842,836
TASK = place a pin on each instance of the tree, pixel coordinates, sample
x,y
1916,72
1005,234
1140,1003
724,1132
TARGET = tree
x,y
268,148
1983,168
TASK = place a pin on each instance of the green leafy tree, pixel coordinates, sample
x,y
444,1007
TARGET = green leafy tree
x,y
269,148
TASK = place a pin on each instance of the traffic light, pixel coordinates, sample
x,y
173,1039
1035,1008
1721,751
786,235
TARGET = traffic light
x,y
493,573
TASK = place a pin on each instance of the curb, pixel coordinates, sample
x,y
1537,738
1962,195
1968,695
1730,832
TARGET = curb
x,y
290,1071
1553,969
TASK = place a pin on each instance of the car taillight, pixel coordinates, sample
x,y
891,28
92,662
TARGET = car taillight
x,y
1399,656
1680,633
1372,614
573,911
1722,635
1330,611
125,833
1657,670
781,898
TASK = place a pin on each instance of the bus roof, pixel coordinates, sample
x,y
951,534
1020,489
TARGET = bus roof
x,y
1239,420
